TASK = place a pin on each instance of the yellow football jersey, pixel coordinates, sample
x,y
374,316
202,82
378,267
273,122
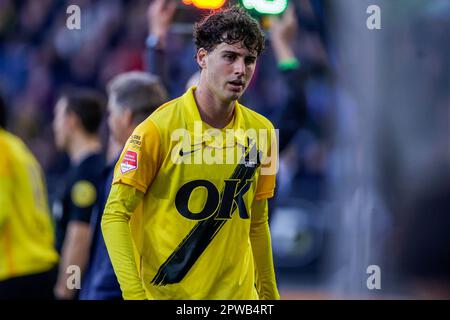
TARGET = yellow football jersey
x,y
191,231
26,231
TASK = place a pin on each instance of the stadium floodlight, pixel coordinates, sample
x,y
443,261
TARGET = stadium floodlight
x,y
273,7
205,4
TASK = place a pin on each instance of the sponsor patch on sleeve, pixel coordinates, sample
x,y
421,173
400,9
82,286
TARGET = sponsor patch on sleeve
x,y
129,162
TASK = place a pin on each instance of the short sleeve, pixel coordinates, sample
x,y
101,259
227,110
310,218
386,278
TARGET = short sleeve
x,y
83,196
140,159
269,168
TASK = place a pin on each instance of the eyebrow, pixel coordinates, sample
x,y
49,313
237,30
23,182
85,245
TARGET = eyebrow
x,y
239,54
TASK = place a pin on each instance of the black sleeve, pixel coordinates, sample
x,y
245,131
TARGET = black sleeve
x,y
83,196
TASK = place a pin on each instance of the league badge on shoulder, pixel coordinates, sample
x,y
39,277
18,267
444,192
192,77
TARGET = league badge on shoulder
x,y
129,162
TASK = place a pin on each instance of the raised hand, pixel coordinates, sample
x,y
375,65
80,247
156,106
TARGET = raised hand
x,y
160,15
282,31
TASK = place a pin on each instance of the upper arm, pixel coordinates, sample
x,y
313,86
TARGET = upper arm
x,y
83,196
269,166
141,157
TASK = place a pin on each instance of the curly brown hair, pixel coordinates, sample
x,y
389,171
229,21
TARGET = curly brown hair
x,y
231,25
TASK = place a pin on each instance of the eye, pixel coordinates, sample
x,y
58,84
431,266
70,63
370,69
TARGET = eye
x,y
229,57
250,60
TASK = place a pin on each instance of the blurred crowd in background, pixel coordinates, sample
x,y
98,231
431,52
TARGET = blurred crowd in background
x,y
40,56
364,124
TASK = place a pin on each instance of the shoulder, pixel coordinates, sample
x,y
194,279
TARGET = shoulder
x,y
166,115
10,141
255,120
91,168
7,155
94,161
85,182
14,148
162,122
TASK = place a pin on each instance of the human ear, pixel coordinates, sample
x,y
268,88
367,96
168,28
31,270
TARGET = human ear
x,y
72,120
201,58
127,117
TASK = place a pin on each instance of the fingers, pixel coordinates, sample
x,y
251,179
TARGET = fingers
x,y
158,8
171,7
155,6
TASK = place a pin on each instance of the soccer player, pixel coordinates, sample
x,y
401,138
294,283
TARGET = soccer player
x,y
78,115
27,256
178,225
132,97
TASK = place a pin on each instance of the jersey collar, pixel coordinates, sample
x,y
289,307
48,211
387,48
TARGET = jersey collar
x,y
192,115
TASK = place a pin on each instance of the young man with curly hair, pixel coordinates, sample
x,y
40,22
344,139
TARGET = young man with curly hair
x,y
187,215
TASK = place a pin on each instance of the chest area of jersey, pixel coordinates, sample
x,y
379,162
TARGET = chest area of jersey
x,y
211,180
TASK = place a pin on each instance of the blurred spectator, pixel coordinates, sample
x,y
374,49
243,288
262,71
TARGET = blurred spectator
x,y
76,125
292,116
302,143
160,14
28,258
169,55
132,97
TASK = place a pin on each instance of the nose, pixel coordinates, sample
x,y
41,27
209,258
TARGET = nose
x,y
239,67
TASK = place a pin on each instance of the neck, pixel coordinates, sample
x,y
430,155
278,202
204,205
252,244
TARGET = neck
x,y
82,145
126,133
213,111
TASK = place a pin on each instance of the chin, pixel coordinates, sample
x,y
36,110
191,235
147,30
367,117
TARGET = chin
x,y
59,147
233,96
229,96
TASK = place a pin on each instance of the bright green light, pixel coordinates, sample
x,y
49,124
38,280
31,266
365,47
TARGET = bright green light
x,y
266,6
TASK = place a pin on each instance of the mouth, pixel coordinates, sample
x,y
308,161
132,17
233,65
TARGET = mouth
x,y
237,85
